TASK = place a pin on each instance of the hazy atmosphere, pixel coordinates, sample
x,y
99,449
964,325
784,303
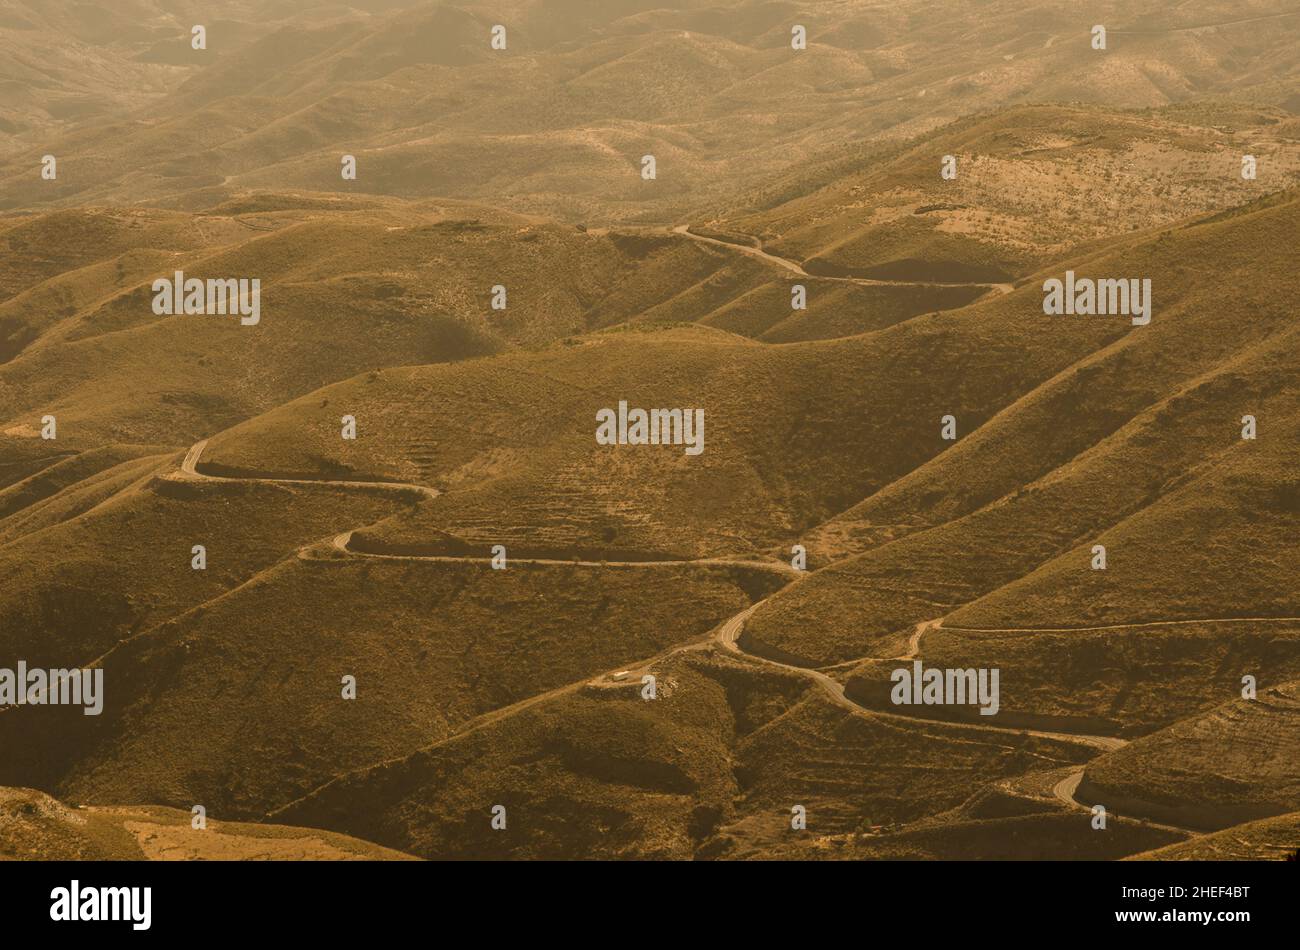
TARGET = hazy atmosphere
x,y
649,429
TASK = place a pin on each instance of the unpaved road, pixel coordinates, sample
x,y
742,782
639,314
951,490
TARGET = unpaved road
x,y
797,268
1065,789
189,469
1123,626
343,540
1204,26
727,634
914,642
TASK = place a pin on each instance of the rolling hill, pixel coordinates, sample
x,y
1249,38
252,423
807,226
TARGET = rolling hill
x,y
367,575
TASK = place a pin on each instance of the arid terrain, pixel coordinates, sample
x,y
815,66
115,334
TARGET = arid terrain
x,y
363,578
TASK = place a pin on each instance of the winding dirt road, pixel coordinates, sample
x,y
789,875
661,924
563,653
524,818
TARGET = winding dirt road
x,y
1065,790
343,540
754,250
189,469
1204,26
726,635
1123,626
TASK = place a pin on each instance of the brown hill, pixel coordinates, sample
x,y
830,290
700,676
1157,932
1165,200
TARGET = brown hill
x,y
558,122
1231,765
1269,839
1032,184
35,826
335,561
1144,410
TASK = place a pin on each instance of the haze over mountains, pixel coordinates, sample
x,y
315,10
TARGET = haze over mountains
x,y
515,175
556,125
